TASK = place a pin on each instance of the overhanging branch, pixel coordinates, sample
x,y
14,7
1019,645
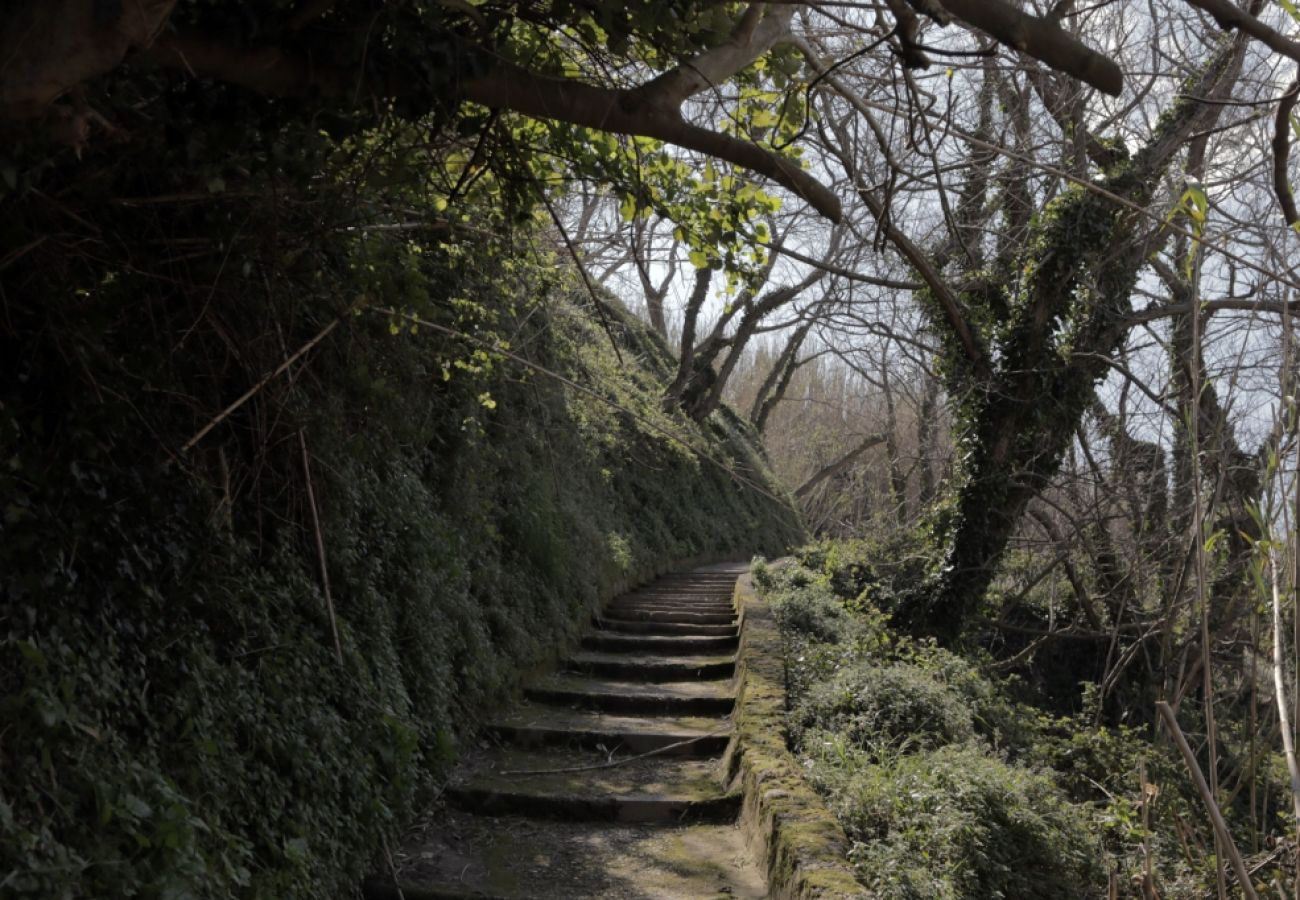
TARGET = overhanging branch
x,y
635,111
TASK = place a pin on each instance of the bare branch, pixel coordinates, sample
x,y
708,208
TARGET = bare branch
x,y
839,465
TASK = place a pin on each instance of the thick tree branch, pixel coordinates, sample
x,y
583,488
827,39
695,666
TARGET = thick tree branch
x,y
49,47
1282,152
1170,310
1041,38
636,111
1231,17
755,34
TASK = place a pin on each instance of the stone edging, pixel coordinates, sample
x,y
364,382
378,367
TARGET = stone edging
x,y
792,833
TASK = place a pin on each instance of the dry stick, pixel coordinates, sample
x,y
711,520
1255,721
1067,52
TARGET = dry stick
x,y
1202,588
248,394
392,869
617,762
320,543
1279,685
1220,826
1148,797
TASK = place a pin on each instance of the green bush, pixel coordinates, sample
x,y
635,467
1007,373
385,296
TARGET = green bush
x,y
956,823
906,741
811,612
897,705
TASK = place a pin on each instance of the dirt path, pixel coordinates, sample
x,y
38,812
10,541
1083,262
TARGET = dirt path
x,y
544,814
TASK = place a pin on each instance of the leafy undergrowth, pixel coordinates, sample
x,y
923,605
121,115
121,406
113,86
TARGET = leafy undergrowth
x,y
949,781
177,720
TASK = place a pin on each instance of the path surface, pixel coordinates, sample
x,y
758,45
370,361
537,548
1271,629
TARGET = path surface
x,y
655,672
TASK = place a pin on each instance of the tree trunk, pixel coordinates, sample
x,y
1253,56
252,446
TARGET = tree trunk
x,y
778,379
1015,424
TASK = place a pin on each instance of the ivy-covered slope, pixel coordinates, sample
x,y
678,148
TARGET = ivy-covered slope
x,y
177,720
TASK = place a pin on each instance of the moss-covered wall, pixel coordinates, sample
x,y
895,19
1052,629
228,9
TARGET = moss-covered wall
x,y
175,719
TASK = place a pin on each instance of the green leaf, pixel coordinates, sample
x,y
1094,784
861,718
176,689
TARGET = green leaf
x,y
699,259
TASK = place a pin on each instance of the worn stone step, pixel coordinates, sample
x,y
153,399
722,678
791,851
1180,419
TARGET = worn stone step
x,y
627,611
669,615
679,595
651,666
709,608
678,644
712,697
590,786
538,725
626,626
515,858
687,605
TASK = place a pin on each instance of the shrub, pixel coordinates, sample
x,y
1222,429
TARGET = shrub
x,y
811,612
899,705
957,822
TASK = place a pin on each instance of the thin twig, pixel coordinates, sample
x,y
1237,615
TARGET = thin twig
x,y
248,394
392,868
320,543
586,279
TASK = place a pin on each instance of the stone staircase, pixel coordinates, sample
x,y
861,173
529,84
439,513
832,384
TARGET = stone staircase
x,y
607,780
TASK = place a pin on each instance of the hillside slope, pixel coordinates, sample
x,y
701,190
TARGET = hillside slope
x,y
179,720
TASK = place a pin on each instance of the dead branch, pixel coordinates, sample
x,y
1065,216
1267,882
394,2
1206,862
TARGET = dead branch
x,y
839,465
1216,817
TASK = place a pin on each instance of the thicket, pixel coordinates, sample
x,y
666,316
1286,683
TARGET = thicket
x,y
186,711
954,779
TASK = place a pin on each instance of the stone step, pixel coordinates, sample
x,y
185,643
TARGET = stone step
x,y
516,858
540,725
670,615
677,698
590,786
677,595
686,605
626,611
649,627
659,643
651,666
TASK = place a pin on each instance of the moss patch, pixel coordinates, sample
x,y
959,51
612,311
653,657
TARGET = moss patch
x,y
803,847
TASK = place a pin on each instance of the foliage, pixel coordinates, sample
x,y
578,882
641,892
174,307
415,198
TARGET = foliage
x,y
952,783
957,822
888,706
